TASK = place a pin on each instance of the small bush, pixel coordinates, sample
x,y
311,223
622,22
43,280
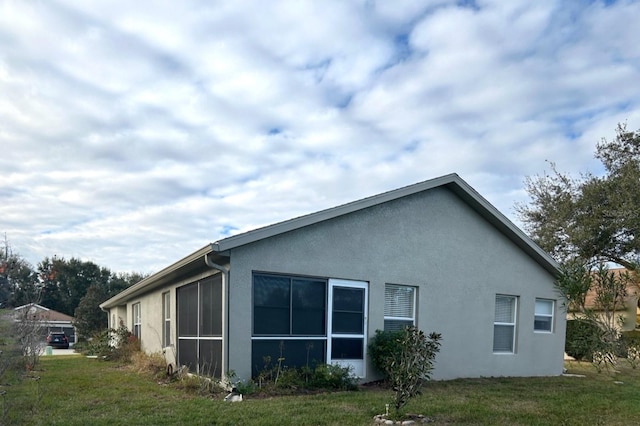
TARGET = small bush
x,y
583,339
115,345
319,376
413,364
383,346
406,358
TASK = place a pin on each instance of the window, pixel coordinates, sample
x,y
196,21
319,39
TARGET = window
x,y
289,306
289,320
504,326
399,307
166,320
137,320
543,321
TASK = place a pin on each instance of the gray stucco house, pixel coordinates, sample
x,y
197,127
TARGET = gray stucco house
x,y
315,288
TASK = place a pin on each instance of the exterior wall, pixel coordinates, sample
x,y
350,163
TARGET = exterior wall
x,y
431,240
117,315
152,316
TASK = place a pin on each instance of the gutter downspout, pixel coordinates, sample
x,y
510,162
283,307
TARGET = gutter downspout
x,y
225,310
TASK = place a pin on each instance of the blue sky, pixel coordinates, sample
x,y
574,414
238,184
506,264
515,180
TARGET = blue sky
x,y
133,133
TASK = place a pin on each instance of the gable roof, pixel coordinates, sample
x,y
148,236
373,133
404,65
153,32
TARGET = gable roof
x,y
219,251
452,182
43,313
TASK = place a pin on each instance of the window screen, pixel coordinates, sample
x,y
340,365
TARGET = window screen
x,y
399,306
308,304
211,306
348,308
295,353
271,305
199,313
210,357
187,310
289,306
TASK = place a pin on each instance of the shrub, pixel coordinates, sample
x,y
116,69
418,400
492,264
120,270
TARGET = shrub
x,y
115,345
583,339
319,376
409,362
383,346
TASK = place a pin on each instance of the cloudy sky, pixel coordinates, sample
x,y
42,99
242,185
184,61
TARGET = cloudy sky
x,y
135,132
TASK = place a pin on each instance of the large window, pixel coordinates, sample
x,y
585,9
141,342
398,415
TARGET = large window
x,y
137,320
289,320
504,326
166,319
199,315
289,306
399,307
543,321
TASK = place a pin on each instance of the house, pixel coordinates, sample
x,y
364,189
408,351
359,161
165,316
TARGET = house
x,y
627,316
315,288
48,319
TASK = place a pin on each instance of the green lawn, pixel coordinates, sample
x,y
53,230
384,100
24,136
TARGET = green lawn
x,y
80,391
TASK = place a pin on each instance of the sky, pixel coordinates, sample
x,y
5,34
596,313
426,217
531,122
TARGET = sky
x,y
133,133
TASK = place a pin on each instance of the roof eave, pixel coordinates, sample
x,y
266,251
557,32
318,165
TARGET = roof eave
x,y
159,278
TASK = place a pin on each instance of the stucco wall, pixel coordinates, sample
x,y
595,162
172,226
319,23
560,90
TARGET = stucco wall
x,y
152,316
431,240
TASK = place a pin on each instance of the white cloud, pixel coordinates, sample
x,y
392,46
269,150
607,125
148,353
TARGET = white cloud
x,y
134,134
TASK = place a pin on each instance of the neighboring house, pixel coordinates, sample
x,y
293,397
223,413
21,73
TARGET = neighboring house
x,y
49,319
315,288
629,312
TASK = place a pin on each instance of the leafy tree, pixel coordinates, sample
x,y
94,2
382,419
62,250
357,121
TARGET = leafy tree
x,y
89,318
121,281
65,282
586,223
18,281
592,219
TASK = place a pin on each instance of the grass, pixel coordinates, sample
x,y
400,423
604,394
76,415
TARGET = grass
x,y
79,391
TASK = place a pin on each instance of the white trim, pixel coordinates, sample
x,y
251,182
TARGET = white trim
x,y
551,316
359,366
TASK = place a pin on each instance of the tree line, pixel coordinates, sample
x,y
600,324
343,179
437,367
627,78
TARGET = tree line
x,y
71,286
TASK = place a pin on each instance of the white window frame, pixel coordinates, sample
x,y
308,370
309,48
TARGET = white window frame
x,y
512,324
538,314
137,320
166,319
411,318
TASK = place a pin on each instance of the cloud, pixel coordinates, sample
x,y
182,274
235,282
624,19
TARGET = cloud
x,y
132,135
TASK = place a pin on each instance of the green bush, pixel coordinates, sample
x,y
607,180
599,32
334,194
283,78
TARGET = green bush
x,y
383,346
406,359
583,339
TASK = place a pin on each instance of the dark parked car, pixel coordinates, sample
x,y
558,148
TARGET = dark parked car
x,y
58,340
